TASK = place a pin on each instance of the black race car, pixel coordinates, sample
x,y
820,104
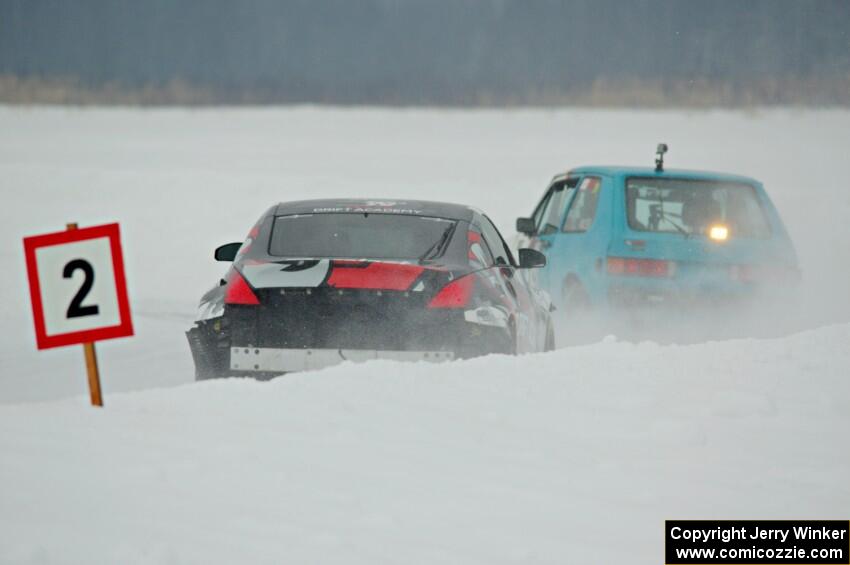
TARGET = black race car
x,y
322,281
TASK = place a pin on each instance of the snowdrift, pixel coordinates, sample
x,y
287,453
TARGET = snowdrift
x,y
566,457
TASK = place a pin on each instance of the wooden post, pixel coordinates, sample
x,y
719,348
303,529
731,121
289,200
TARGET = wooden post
x,y
91,362
94,374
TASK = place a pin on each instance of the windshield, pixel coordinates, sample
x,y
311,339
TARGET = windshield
x,y
360,236
692,207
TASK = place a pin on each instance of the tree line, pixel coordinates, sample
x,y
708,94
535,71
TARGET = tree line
x,y
433,51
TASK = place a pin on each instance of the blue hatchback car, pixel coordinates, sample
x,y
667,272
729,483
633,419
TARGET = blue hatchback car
x,y
618,237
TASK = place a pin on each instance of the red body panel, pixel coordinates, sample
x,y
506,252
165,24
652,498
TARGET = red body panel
x,y
378,276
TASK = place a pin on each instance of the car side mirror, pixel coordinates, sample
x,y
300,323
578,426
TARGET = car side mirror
x,y
525,225
227,252
531,259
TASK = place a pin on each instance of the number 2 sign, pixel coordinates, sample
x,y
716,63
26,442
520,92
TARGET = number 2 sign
x,y
77,286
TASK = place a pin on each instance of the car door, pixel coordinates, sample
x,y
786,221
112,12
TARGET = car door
x,y
527,240
527,310
579,246
549,217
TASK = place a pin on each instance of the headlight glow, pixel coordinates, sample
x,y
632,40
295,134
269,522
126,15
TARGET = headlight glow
x,y
718,232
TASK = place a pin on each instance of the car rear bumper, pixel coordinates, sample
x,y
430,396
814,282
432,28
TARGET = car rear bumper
x,y
217,352
697,284
622,296
353,326
694,295
281,360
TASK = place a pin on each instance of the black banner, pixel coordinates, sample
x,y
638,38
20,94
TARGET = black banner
x,y
762,542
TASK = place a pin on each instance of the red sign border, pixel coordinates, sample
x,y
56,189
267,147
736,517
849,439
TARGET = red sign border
x,y
123,329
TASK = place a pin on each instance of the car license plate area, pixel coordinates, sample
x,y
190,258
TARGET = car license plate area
x,y
267,359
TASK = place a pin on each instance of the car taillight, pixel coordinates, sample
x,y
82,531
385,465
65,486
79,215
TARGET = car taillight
x,y
239,292
456,294
624,266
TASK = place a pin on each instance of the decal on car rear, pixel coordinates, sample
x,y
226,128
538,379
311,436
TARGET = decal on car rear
x,y
298,273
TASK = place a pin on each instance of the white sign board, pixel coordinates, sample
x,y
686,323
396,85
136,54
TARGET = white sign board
x,y
77,286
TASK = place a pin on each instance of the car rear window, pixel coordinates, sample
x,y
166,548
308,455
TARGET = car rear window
x,y
692,207
360,236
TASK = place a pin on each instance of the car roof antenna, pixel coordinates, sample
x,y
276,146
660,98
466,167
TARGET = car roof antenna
x,y
659,157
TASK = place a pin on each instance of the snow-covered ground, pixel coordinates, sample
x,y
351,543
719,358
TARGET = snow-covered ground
x,y
576,456
531,459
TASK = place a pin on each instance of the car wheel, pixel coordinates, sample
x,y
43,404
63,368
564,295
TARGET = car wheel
x,y
210,352
575,298
577,320
514,345
550,338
